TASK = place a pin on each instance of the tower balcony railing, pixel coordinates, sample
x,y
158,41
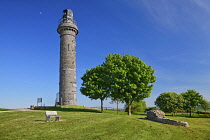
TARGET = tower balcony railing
x,y
67,20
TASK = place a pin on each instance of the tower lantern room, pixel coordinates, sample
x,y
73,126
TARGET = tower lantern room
x,y
67,17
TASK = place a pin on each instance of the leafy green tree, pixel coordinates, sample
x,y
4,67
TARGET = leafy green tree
x,y
169,102
95,84
137,107
205,105
192,99
130,78
117,101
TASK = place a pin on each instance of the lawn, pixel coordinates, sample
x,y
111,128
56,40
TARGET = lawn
x,y
88,124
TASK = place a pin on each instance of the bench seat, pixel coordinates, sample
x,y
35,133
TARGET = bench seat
x,y
50,114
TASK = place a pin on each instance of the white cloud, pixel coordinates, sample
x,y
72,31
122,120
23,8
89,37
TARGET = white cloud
x,y
178,15
204,4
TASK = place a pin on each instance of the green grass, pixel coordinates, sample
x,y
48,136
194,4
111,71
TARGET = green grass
x,y
89,124
3,109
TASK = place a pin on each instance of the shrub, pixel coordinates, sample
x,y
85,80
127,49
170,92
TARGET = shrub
x,y
202,112
151,108
137,107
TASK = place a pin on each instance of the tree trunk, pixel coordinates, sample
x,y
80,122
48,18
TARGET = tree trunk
x,y
190,112
129,110
102,107
117,107
172,114
205,113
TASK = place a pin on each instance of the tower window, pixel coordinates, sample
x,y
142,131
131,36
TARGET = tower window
x,y
68,47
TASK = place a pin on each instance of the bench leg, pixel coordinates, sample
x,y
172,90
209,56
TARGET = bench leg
x,y
57,118
48,118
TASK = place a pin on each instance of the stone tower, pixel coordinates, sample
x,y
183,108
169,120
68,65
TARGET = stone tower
x,y
68,30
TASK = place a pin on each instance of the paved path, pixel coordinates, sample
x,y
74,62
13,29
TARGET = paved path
x,y
6,111
21,109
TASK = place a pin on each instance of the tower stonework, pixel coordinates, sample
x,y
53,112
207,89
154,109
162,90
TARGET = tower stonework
x,y
68,30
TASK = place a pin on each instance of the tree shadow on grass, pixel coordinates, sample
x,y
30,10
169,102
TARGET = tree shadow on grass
x,y
193,116
140,113
187,115
71,109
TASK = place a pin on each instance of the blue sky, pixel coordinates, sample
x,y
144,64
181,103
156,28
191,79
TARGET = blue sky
x,y
171,36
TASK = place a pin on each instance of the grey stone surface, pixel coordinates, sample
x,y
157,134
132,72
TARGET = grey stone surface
x,y
152,114
159,116
67,79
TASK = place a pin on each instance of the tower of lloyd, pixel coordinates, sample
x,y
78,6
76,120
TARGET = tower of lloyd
x,y
67,80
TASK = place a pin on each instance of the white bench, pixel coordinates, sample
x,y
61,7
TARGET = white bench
x,y
52,114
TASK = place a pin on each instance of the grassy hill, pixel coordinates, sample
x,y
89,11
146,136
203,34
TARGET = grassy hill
x,y
3,109
88,124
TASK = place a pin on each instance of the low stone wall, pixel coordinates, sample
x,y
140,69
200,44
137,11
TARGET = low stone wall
x,y
41,107
172,122
159,116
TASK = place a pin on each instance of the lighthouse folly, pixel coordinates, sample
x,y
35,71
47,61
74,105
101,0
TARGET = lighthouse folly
x,y
67,79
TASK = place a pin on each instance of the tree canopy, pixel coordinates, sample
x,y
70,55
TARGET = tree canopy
x,y
125,78
169,102
95,84
205,105
192,99
130,78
